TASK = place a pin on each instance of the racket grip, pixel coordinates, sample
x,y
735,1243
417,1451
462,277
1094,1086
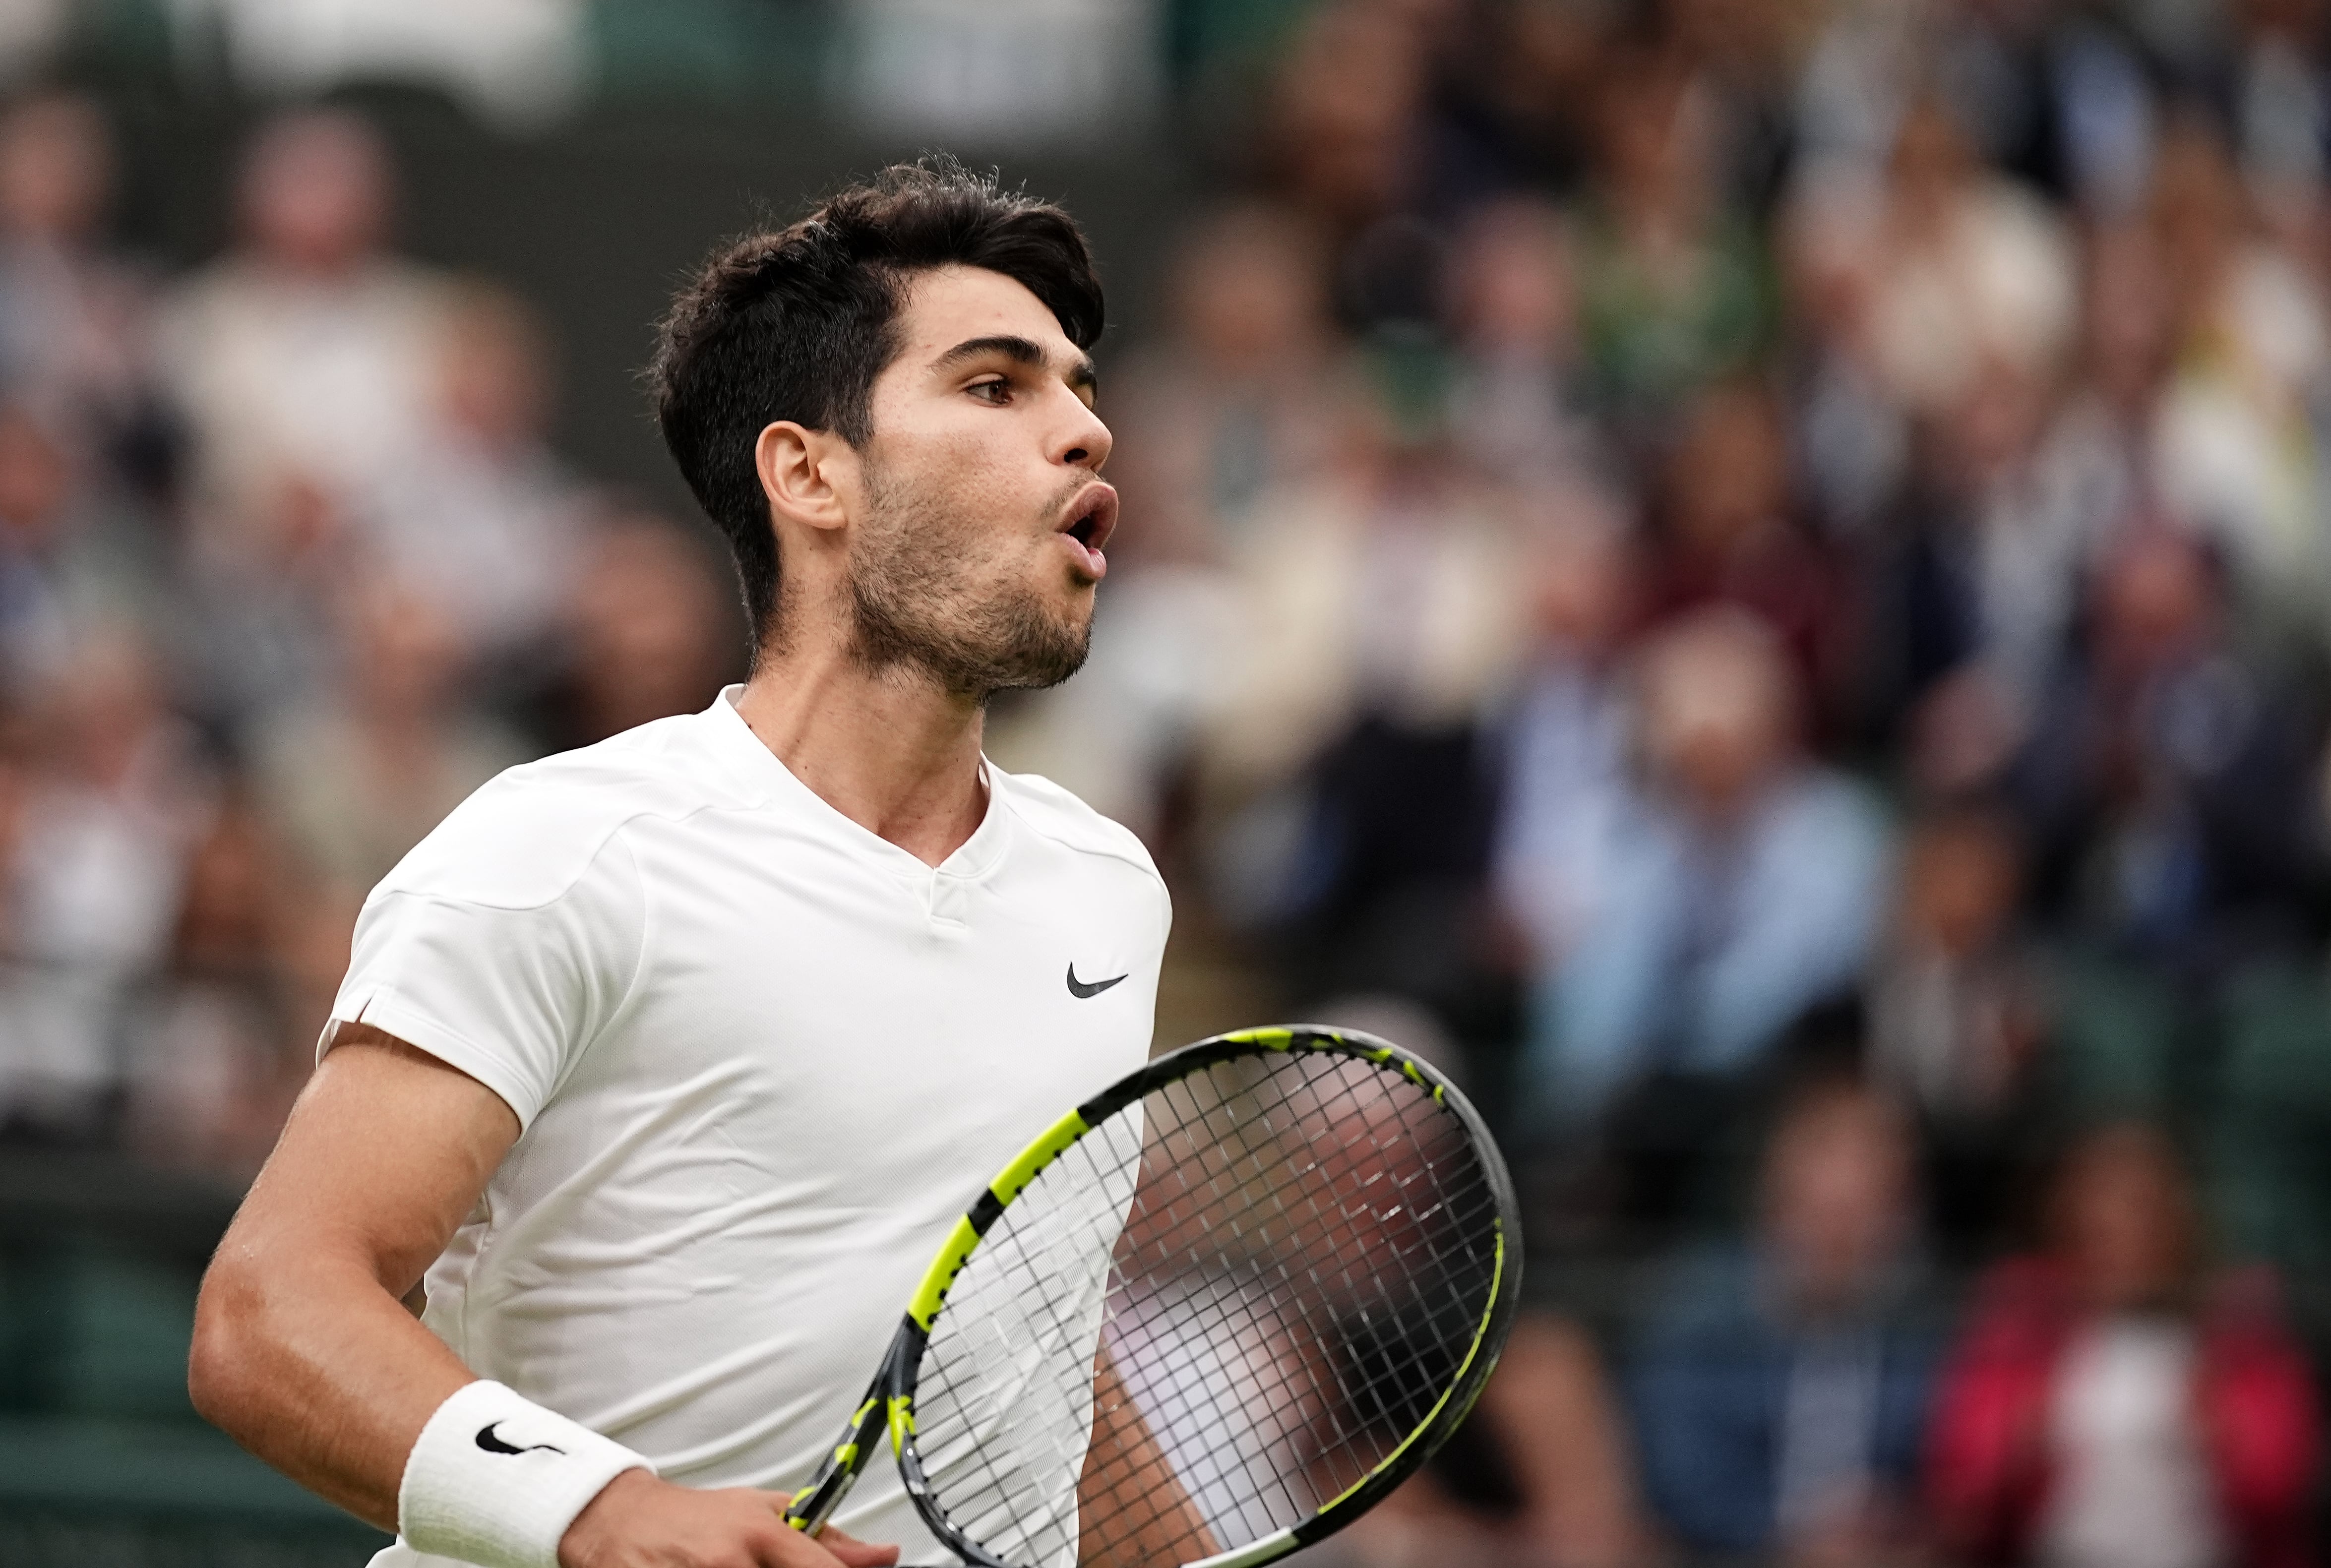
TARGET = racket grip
x,y
815,1502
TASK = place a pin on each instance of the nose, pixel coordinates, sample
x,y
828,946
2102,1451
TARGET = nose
x,y
1084,442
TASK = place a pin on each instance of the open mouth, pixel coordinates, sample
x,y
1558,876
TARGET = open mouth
x,y
1090,523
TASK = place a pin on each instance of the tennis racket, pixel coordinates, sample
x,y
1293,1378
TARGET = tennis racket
x,y
1212,1315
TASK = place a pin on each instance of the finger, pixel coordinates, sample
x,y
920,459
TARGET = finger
x,y
786,1547
854,1553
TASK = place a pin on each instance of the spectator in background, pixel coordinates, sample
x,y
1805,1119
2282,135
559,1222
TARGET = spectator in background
x,y
1987,544
359,777
645,632
2101,439
2167,781
1951,1025
304,363
2237,451
1728,533
305,357
1379,618
1742,883
485,520
1851,441
2281,108
1532,79
1957,1015
217,1055
254,629
75,320
111,803
1380,584
2108,1408
69,555
1245,391
2016,501
1343,113
1672,286
1562,1436
1740,54
1963,268
1344,144
1519,409
1539,1477
2009,508
1568,735
1780,1389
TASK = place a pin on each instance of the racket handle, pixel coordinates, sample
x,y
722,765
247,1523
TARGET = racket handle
x,y
815,1502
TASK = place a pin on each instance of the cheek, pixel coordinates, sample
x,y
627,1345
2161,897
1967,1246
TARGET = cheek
x,y
967,480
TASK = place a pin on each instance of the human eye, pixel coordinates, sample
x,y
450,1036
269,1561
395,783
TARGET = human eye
x,y
994,389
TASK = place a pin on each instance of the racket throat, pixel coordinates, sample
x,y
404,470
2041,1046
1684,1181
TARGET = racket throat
x,y
814,1504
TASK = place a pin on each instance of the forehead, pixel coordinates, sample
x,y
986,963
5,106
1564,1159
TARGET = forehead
x,y
949,305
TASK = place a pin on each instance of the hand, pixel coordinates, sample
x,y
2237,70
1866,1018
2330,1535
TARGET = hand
x,y
639,1522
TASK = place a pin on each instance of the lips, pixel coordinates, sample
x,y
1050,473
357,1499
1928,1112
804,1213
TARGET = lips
x,y
1087,524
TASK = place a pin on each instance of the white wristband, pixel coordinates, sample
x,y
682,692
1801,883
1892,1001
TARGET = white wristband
x,y
495,1479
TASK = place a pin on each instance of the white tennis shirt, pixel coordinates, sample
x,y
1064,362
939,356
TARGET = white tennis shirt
x,y
763,1059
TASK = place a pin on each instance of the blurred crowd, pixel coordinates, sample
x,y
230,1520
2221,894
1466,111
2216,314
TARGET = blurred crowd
x,y
1759,575
286,569
1753,575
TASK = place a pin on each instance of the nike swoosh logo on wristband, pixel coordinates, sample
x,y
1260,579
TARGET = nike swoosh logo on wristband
x,y
489,1440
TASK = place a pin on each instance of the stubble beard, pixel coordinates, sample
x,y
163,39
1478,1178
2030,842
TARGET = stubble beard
x,y
914,609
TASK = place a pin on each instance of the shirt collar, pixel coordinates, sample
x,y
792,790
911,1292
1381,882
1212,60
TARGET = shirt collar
x,y
750,763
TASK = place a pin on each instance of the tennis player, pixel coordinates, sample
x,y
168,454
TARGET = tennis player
x,y
671,1060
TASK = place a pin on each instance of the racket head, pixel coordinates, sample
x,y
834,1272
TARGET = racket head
x,y
1294,1250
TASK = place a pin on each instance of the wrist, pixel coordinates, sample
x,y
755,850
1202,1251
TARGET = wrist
x,y
602,1517
496,1480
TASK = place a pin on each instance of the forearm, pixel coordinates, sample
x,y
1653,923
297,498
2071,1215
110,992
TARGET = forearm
x,y
316,1367
303,1350
1130,1486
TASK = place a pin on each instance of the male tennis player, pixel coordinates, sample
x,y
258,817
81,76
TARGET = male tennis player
x,y
671,1060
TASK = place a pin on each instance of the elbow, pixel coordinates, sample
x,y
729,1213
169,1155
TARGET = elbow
x,y
219,1363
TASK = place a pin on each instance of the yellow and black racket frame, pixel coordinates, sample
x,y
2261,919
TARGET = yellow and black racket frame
x,y
889,1401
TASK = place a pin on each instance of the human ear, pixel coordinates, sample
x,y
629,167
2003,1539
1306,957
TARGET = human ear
x,y
802,474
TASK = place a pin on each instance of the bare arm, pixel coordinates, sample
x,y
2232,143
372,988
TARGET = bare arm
x,y
1129,1481
306,1354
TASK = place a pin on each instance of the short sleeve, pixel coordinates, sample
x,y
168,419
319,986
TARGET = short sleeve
x,y
508,992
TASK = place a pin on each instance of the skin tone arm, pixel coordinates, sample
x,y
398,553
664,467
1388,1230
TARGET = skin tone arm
x,y
1127,1474
305,1353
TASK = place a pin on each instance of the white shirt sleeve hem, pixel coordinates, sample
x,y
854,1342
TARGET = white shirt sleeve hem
x,y
384,1010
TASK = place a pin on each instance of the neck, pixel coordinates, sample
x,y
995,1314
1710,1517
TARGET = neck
x,y
892,752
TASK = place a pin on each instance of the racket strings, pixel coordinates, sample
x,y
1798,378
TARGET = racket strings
x,y
1209,1317
999,1415
1328,1428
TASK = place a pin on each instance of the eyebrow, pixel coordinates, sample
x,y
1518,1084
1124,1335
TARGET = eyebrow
x,y
1020,351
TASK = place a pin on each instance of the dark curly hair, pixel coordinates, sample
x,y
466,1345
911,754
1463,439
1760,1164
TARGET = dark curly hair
x,y
796,324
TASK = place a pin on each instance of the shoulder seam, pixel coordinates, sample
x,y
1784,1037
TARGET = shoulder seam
x,y
639,958
1103,849
598,847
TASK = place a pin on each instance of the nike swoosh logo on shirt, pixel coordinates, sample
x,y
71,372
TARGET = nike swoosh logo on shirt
x,y
1081,989
489,1440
